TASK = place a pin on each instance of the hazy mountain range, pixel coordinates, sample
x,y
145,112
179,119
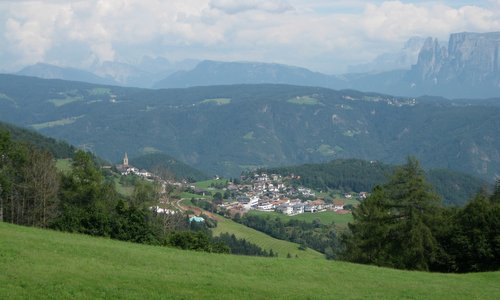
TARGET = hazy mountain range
x,y
469,66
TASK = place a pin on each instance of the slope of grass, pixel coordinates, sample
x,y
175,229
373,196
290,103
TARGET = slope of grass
x,y
325,217
208,183
123,189
263,240
217,101
41,264
63,101
64,165
61,122
304,100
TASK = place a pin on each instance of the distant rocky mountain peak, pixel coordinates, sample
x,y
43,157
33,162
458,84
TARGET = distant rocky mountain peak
x,y
471,61
402,59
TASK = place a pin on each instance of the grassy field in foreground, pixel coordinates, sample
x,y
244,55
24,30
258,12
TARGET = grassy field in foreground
x,y
263,240
38,263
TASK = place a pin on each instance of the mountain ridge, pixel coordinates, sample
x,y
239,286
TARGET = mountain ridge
x,y
48,71
227,129
469,66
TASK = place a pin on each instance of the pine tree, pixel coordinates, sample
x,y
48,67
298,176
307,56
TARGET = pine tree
x,y
476,236
393,226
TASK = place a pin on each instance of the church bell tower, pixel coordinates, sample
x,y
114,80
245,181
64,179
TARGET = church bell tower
x,y
125,160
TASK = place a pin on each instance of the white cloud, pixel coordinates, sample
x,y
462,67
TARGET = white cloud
x,y
234,6
320,34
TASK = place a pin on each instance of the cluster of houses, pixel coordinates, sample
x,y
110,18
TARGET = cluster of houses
x,y
269,192
263,192
126,169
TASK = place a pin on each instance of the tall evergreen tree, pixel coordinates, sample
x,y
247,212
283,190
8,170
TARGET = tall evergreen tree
x,y
86,199
476,236
393,227
495,198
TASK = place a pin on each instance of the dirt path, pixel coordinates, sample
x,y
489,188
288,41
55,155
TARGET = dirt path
x,y
197,211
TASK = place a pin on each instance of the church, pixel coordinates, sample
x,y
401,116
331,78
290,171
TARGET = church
x,y
125,168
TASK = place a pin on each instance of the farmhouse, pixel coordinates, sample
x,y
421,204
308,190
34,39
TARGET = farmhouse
x,y
338,205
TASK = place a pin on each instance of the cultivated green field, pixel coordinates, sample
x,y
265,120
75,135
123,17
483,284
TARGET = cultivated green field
x,y
304,100
99,91
217,101
61,122
42,264
186,195
122,189
263,240
7,98
326,217
207,183
63,101
64,165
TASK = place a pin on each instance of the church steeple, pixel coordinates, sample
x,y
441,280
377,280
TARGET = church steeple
x,y
125,160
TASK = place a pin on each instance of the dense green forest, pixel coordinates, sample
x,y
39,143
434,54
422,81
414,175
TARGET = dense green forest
x,y
228,129
354,175
403,225
57,148
162,163
169,166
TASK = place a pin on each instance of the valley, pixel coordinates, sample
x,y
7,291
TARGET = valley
x,y
221,149
251,126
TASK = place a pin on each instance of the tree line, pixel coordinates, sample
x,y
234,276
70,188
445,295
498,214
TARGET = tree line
x,y
315,235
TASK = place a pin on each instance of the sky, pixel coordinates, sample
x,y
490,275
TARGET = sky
x,y
324,36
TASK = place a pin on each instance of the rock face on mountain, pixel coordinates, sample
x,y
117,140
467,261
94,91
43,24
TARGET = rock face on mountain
x,y
400,60
469,64
467,68
475,55
430,60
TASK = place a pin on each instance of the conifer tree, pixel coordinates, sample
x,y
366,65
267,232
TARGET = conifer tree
x,y
393,226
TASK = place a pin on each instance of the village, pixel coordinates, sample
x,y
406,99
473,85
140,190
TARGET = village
x,y
274,193
255,191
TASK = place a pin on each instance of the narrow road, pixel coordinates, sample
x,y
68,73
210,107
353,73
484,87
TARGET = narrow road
x,y
197,211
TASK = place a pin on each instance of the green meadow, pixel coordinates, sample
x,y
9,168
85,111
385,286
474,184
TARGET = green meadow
x,y
217,101
125,190
43,264
61,122
325,217
208,183
64,165
304,100
63,101
263,240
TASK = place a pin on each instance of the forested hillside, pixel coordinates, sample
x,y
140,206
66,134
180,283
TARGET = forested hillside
x,y
169,166
226,129
58,148
354,175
